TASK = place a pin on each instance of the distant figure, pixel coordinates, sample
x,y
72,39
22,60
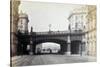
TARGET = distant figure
x,y
50,51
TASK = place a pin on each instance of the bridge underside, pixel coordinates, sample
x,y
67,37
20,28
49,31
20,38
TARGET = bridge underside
x,y
63,44
75,46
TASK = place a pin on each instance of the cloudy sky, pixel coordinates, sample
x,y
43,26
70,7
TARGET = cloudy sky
x,y
42,14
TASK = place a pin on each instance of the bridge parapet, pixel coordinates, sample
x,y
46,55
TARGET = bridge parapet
x,y
52,32
60,33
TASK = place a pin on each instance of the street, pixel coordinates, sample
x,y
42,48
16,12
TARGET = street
x,y
27,60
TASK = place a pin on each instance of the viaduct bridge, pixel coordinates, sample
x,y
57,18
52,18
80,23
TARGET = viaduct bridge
x,y
70,42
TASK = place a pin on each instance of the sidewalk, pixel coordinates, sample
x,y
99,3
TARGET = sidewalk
x,y
15,58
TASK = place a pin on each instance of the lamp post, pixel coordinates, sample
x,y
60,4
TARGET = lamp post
x,y
31,42
49,27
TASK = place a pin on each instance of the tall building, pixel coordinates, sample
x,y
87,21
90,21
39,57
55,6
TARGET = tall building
x,y
84,18
23,23
91,30
22,35
14,4
78,19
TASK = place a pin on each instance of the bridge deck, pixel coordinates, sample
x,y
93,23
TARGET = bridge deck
x,y
60,33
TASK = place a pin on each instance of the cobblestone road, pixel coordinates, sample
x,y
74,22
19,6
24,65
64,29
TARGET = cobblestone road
x,y
28,60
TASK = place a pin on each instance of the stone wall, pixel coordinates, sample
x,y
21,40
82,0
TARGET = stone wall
x,y
13,25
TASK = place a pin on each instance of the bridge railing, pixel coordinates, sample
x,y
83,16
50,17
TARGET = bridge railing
x,y
52,32
59,32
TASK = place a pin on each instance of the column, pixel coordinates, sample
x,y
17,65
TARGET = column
x,y
31,49
68,49
80,48
68,46
83,47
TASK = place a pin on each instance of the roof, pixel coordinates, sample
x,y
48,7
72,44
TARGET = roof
x,y
23,15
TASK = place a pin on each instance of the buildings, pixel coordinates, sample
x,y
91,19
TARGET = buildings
x,y
78,19
22,34
84,19
18,22
91,30
38,48
47,48
13,24
23,23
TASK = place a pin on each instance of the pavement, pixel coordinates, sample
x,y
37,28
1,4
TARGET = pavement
x,y
28,60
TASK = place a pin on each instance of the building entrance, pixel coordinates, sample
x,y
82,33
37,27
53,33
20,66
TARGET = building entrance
x,y
75,47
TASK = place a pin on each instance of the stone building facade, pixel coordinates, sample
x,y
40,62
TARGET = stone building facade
x,y
14,4
91,30
22,34
78,19
23,23
84,19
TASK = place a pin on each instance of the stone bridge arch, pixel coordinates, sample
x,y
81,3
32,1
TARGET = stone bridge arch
x,y
63,44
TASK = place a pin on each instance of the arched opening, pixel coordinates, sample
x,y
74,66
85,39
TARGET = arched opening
x,y
75,47
62,44
47,48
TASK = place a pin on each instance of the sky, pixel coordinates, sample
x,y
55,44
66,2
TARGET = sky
x,y
43,14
